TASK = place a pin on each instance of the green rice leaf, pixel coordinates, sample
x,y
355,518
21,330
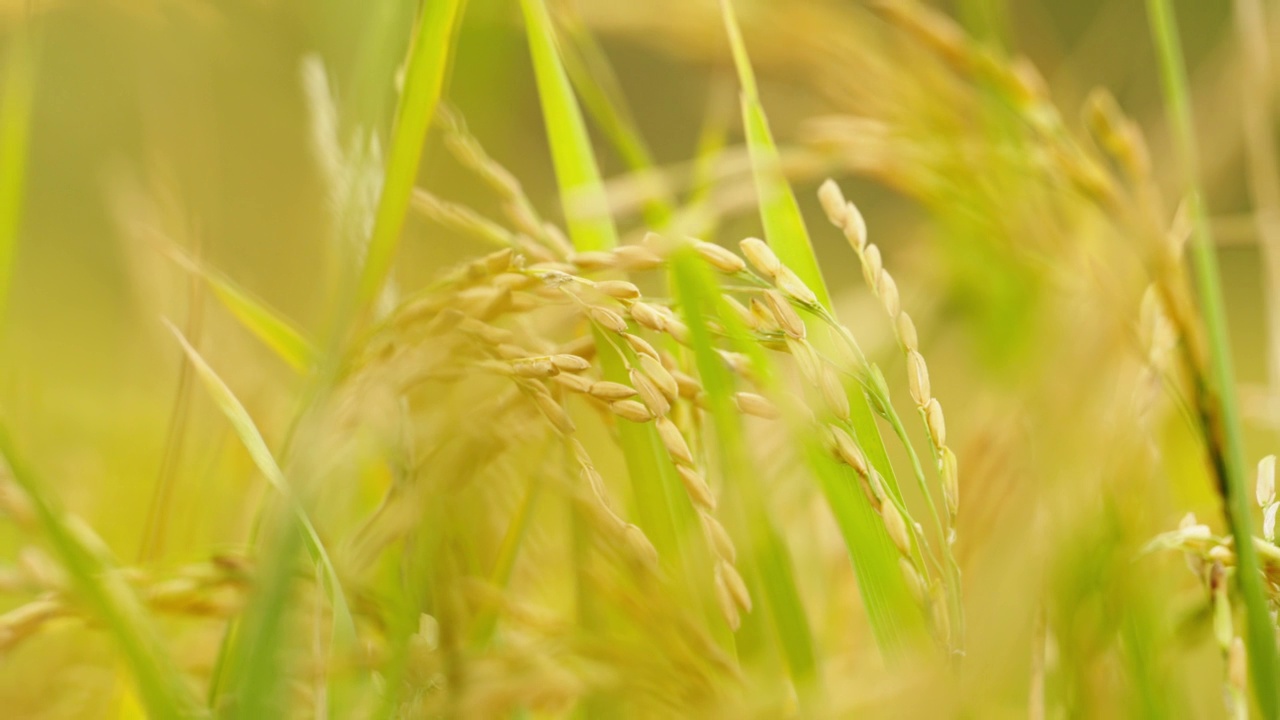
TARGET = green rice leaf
x,y
98,581
581,189
783,224
266,324
247,431
273,329
428,64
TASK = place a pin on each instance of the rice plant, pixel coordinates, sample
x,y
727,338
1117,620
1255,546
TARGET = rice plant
x,y
438,364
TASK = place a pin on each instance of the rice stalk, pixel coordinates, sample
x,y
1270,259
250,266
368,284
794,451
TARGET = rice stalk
x,y
1224,424
425,75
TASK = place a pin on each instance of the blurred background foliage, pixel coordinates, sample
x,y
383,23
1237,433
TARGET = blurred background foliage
x,y
190,116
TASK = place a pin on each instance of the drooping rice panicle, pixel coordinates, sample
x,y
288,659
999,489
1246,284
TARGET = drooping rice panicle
x,y
846,216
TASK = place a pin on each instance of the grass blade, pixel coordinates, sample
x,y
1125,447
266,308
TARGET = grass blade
x,y
247,431
1226,430
429,59
266,324
273,329
99,583
582,191
779,212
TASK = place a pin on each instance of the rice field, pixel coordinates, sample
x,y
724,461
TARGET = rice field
x,y
674,359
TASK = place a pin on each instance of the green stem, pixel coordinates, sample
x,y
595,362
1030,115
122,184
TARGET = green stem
x,y
1222,414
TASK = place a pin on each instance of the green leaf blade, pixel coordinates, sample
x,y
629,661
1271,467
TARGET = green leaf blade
x,y
247,431
578,175
428,64
780,214
275,331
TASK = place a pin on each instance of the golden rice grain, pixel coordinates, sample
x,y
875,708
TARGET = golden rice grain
x,y
649,393
636,257
791,284
762,318
660,376
807,360
674,441
718,538
610,391
593,260
757,405
918,378
640,546
888,290
719,258
648,316
855,227
761,256
553,412
570,363
619,289
847,450
689,385
896,527
736,586
640,345
728,606
907,332
914,582
784,314
871,265
631,410
534,368
833,202
950,479
678,331
696,485
576,383
1266,485
608,319
833,393
936,423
